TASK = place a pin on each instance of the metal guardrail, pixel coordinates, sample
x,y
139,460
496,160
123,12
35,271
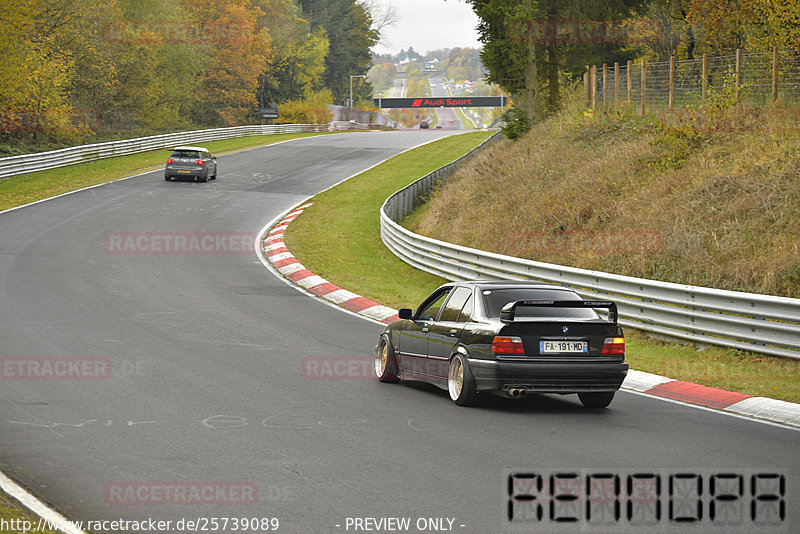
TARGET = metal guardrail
x,y
40,161
760,323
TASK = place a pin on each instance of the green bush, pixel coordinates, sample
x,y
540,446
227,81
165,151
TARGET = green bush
x,y
516,123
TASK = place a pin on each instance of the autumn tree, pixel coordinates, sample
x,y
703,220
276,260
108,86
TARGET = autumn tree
x,y
348,25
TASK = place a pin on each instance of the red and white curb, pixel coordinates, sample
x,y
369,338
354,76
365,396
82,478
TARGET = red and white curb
x,y
287,265
761,408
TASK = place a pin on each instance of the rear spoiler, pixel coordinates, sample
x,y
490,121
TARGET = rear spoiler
x,y
509,311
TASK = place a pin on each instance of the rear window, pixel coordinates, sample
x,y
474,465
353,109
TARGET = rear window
x,y
495,299
187,154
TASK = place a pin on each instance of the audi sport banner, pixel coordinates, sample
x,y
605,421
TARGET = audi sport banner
x,y
442,102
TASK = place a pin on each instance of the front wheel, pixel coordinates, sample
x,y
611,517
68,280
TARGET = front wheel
x,y
460,383
385,362
596,400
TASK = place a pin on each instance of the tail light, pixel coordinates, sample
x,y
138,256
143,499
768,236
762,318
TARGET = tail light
x,y
199,162
170,160
614,345
507,345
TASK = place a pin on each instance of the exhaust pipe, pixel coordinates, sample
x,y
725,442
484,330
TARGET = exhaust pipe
x,y
518,393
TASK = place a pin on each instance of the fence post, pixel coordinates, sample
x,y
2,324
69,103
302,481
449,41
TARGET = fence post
x,y
738,73
593,77
774,74
630,82
671,82
644,85
605,85
616,84
587,98
705,79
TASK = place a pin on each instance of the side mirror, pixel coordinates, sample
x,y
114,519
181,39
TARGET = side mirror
x,y
213,157
405,313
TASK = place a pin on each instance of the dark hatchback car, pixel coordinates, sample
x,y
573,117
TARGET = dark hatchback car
x,y
509,339
192,163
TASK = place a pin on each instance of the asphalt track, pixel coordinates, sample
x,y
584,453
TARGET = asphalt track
x,y
210,379
444,115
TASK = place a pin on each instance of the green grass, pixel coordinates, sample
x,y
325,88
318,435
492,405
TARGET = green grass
x,y
719,367
10,510
26,188
339,239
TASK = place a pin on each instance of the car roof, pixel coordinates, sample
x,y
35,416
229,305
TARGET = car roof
x,y
199,148
509,284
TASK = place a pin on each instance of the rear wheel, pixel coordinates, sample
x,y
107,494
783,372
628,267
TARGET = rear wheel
x,y
596,400
167,178
385,362
460,383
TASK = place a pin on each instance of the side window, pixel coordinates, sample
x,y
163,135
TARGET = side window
x,y
453,306
431,311
466,311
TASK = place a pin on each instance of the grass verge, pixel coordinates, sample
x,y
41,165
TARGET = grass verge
x,y
15,515
339,239
27,188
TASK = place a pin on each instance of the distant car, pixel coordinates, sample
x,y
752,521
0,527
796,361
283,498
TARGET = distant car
x,y
192,162
508,339
423,125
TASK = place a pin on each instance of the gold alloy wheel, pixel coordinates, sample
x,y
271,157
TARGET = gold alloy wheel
x,y
455,379
382,359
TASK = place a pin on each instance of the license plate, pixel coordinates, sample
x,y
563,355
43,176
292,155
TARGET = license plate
x,y
550,347
187,172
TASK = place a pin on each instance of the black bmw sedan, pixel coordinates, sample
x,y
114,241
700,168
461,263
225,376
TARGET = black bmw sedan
x,y
509,339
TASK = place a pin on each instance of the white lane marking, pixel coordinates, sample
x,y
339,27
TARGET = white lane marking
x,y
26,499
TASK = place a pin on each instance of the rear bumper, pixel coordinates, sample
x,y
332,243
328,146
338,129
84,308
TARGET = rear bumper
x,y
548,377
188,174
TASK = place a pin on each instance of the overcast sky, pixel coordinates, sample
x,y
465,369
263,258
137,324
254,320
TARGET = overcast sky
x,y
429,25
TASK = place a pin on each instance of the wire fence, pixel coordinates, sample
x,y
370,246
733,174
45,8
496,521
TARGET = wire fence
x,y
754,78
